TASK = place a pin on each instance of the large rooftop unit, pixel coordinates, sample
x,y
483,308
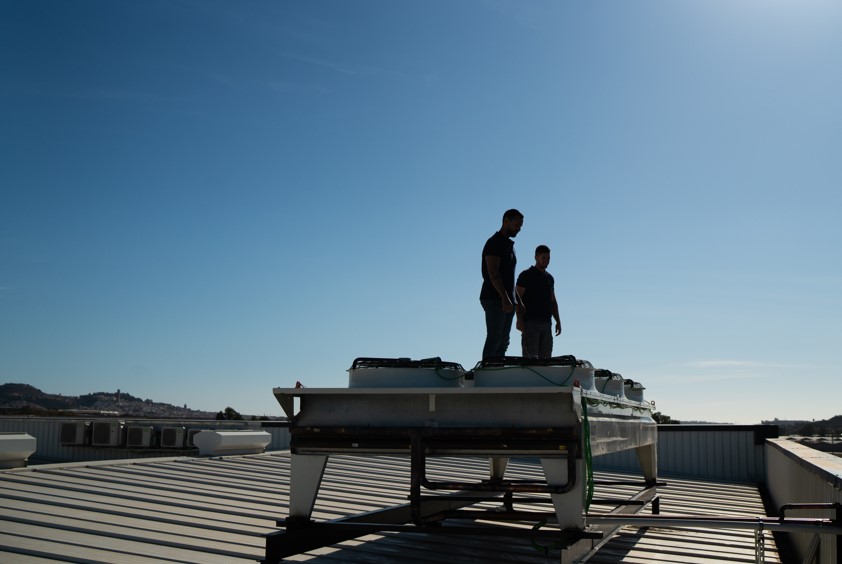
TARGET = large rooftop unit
x,y
560,410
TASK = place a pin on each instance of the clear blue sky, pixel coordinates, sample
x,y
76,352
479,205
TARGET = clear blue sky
x,y
200,201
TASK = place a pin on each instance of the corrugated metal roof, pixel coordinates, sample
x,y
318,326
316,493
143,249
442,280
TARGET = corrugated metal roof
x,y
220,509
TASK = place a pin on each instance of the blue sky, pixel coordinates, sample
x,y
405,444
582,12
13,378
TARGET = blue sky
x,y
200,201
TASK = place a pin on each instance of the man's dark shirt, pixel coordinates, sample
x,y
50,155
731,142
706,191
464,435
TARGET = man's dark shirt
x,y
537,299
499,246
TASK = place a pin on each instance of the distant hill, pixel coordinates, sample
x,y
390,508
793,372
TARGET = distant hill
x,y
26,395
824,435
17,399
823,427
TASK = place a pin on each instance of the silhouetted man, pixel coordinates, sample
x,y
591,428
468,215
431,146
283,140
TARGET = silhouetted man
x,y
536,290
498,297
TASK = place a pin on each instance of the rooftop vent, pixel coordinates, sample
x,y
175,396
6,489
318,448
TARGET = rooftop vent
x,y
15,449
231,442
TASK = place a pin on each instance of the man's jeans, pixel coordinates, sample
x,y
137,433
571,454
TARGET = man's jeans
x,y
537,339
498,325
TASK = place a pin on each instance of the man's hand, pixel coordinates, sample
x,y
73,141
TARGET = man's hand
x,y
519,324
507,304
557,328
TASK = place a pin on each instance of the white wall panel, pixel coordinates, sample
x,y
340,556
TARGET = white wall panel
x,y
727,452
800,474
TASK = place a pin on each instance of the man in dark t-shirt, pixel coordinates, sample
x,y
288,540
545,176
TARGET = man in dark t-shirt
x,y
498,297
536,290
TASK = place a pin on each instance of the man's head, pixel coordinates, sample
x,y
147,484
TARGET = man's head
x,y
512,222
542,257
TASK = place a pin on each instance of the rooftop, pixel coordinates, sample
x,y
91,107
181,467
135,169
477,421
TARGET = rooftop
x,y
219,509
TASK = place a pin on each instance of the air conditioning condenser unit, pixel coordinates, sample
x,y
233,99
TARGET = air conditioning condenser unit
x,y
107,433
173,437
139,436
75,433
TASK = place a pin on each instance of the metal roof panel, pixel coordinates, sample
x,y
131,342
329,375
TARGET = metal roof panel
x,y
220,509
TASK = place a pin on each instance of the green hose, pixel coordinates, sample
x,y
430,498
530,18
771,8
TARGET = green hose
x,y
586,427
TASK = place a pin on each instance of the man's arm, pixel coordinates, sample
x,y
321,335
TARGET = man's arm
x,y
555,315
519,292
492,263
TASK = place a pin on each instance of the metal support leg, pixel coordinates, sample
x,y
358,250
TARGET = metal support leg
x,y
305,478
570,506
498,467
418,463
647,457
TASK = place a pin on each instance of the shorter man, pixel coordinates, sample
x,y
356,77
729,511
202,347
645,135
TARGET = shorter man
x,y
536,288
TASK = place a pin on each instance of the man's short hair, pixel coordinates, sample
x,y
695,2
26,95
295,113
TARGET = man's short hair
x,y
541,249
512,214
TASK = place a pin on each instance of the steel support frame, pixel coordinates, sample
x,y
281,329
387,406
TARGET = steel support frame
x,y
558,449
559,482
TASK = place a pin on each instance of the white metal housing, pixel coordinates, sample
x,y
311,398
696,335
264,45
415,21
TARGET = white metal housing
x,y
231,442
15,449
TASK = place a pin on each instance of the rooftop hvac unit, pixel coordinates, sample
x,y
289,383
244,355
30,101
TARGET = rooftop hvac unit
x,y
139,437
107,433
74,433
173,437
